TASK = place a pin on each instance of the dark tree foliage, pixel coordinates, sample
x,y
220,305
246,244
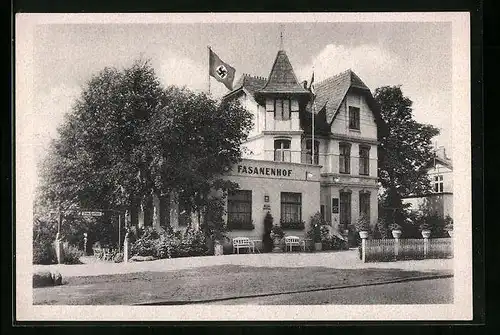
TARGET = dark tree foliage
x,y
127,138
403,153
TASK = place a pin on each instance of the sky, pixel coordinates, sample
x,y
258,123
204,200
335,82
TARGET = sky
x,y
415,55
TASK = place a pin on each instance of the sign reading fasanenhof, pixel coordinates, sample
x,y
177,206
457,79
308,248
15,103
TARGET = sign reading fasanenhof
x,y
264,171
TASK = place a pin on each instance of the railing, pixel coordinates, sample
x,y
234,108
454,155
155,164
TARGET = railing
x,y
377,250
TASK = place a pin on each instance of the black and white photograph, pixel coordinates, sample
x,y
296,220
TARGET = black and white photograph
x,y
230,166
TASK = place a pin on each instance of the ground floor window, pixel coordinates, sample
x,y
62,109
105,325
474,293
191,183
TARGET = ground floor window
x,y
345,209
291,208
239,209
364,204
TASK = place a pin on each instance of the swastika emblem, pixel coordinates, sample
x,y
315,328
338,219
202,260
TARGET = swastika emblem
x,y
221,71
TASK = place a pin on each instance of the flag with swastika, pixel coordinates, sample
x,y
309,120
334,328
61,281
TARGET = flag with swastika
x,y
221,71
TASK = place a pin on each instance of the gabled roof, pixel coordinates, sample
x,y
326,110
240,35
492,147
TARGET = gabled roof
x,y
282,78
331,93
445,162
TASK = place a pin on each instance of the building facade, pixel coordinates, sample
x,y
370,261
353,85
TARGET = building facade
x,y
287,171
341,158
440,173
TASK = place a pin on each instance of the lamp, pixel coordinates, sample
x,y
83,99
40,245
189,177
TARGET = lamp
x,y
309,175
336,179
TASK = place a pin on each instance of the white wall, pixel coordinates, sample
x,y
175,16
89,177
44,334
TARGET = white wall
x,y
368,126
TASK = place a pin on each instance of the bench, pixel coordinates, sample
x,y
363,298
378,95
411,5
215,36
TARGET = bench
x,y
291,241
243,243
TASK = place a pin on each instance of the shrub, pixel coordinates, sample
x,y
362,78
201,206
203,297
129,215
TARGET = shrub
x,y
395,226
448,221
44,234
118,257
314,232
362,224
72,255
277,232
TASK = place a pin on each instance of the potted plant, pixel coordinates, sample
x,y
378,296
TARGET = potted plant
x,y
277,234
448,225
425,230
396,230
363,226
314,233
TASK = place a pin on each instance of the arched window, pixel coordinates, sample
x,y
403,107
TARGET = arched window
x,y
282,151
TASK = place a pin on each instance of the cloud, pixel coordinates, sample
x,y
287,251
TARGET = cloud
x,y
371,63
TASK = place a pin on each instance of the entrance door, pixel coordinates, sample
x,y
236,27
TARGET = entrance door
x,y
345,209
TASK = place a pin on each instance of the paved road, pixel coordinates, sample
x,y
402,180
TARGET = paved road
x,y
433,291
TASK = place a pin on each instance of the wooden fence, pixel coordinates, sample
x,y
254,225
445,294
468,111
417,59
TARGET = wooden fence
x,y
379,250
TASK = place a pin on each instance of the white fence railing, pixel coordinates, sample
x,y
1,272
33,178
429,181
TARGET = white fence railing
x,y
376,250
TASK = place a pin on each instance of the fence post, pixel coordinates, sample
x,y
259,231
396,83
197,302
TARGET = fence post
x,y
396,247
363,248
125,246
426,246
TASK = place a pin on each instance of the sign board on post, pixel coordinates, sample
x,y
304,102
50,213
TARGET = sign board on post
x,y
91,213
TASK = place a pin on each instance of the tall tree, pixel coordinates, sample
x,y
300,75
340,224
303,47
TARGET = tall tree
x,y
404,151
193,142
97,160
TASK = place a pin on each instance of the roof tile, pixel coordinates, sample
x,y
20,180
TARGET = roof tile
x,y
282,78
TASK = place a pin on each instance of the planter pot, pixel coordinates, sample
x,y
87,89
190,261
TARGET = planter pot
x,y
363,234
426,233
450,232
318,246
276,245
396,233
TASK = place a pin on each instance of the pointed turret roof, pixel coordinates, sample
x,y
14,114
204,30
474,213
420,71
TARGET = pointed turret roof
x,y
282,78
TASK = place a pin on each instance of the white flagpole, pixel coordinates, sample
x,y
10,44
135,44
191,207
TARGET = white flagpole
x,y
313,117
208,68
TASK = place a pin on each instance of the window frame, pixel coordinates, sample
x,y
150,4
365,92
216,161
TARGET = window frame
x,y
366,160
284,203
308,158
364,208
245,223
345,215
356,112
345,160
282,150
438,183
282,115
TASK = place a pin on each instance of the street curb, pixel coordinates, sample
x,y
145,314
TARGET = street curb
x,y
189,302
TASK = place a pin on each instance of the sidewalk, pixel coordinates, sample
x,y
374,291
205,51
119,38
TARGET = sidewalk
x,y
334,260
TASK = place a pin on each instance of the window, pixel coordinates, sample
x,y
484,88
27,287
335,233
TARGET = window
x,y
239,210
309,152
364,203
345,209
353,118
282,151
345,158
438,183
291,207
364,161
282,109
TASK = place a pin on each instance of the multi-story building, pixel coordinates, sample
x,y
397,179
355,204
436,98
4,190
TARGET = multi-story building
x,y
440,173
287,170
339,179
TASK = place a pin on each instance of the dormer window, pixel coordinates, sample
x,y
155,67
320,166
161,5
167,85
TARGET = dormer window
x,y
282,109
354,118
